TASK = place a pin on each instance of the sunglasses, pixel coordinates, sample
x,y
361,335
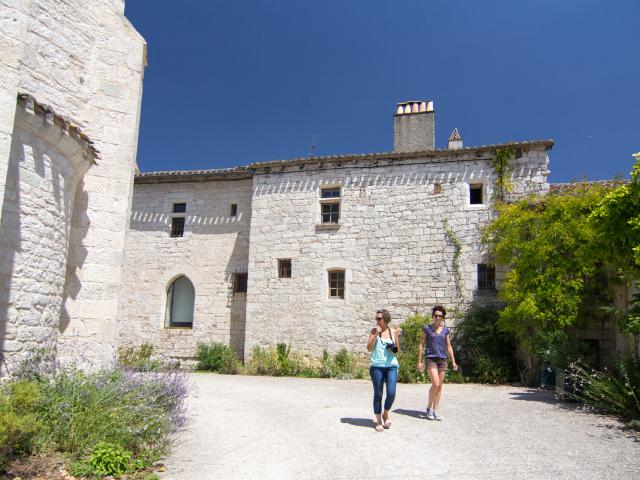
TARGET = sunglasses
x,y
438,315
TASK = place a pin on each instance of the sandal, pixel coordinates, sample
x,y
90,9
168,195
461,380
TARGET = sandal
x,y
379,427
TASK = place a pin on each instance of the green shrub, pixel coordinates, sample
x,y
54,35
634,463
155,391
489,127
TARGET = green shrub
x,y
482,351
343,365
18,420
138,358
614,392
281,361
109,459
217,357
277,362
137,411
408,353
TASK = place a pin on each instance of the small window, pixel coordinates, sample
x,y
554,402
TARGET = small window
x,y
330,213
239,283
177,226
180,303
234,209
330,205
284,268
475,194
330,193
179,207
486,277
336,284
437,188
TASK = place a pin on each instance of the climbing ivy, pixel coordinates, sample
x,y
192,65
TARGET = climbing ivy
x,y
503,156
457,246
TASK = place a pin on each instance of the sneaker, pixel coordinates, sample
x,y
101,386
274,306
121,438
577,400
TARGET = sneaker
x,y
431,415
435,416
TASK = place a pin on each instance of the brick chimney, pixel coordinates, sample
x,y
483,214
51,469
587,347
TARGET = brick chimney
x,y
414,126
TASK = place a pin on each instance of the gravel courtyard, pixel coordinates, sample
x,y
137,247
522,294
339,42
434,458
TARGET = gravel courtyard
x,y
244,427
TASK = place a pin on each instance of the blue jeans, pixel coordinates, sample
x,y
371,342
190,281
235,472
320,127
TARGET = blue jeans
x,y
380,375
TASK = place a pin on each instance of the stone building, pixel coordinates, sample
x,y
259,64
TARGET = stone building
x,y
304,251
70,90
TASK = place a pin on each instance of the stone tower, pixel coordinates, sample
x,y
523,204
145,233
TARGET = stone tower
x,y
70,91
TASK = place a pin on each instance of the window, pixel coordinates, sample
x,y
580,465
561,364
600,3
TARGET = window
x,y
180,303
240,283
177,226
486,277
330,205
177,221
336,284
284,268
234,209
437,188
475,194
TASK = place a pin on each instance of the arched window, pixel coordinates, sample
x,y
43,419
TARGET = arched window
x,y
180,300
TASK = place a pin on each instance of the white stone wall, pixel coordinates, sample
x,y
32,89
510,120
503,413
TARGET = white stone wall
x,y
391,242
86,61
214,246
44,167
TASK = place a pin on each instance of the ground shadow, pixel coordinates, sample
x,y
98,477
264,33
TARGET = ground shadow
x,y
359,422
411,413
538,395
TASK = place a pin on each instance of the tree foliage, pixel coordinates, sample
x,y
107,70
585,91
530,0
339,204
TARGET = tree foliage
x,y
562,250
617,224
547,243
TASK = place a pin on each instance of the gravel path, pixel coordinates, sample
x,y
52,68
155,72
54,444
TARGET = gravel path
x,y
265,428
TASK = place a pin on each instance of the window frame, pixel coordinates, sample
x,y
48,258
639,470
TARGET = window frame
x,y
486,277
332,201
239,284
282,268
169,301
340,272
174,231
474,187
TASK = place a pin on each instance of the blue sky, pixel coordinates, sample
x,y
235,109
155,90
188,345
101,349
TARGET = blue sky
x,y
234,82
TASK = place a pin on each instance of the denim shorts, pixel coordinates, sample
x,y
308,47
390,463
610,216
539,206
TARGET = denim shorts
x,y
440,363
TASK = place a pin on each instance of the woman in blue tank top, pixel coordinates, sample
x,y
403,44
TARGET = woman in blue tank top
x,y
383,368
438,343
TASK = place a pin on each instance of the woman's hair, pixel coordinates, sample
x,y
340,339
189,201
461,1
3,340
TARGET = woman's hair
x,y
439,308
385,315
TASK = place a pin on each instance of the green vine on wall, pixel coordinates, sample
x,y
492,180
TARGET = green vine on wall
x,y
457,246
501,161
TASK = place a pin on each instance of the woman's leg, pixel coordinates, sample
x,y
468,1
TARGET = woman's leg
x,y
436,386
438,394
391,378
377,380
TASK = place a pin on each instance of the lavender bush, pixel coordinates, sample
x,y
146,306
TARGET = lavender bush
x,y
133,411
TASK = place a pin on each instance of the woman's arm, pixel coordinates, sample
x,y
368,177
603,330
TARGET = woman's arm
x,y
372,339
396,337
420,350
450,351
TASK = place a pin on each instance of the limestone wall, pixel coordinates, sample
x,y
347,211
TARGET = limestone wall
x,y
44,167
391,242
86,61
215,245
